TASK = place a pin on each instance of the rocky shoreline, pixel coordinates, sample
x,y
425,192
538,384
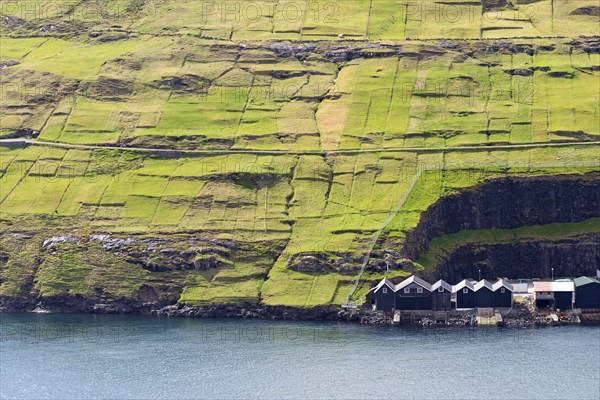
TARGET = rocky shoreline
x,y
519,316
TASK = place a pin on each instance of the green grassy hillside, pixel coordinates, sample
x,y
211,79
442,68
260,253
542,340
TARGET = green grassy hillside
x,y
224,141
188,93
312,19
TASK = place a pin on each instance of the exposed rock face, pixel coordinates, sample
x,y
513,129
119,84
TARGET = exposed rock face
x,y
260,311
388,259
347,262
504,47
341,262
155,255
147,294
81,304
206,262
185,83
493,5
587,11
8,63
50,242
309,262
508,203
107,89
529,259
519,72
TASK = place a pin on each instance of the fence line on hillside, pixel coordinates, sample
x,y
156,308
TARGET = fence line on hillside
x,y
348,303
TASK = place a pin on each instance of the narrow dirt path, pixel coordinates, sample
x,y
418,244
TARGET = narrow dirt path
x,y
486,147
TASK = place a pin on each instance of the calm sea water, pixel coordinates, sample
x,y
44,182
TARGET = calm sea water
x,y
87,356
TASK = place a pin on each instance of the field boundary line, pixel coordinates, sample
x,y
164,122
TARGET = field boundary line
x,y
485,147
389,219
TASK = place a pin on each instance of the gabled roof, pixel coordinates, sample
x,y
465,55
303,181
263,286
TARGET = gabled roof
x,y
553,286
441,283
414,279
584,280
382,283
502,283
483,283
462,284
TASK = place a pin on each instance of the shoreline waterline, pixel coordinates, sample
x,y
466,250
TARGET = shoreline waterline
x,y
133,356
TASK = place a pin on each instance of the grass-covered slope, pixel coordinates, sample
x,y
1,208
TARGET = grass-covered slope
x,y
228,152
182,92
273,208
306,20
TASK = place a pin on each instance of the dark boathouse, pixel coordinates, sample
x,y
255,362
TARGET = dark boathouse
x,y
484,294
563,300
465,294
413,293
441,293
384,295
503,294
587,293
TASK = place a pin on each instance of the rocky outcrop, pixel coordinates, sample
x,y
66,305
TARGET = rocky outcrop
x,y
569,257
342,262
507,203
158,255
145,303
51,242
309,262
587,11
260,312
388,259
519,71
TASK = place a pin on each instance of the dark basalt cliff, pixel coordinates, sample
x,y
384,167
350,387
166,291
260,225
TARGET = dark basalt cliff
x,y
576,256
508,203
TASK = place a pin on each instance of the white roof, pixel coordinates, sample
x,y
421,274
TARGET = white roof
x,y
414,279
384,282
441,283
464,283
504,283
564,286
483,283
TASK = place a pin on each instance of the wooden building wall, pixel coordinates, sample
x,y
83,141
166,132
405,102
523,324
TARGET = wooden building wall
x,y
413,300
385,301
587,296
484,297
465,300
440,301
563,300
502,299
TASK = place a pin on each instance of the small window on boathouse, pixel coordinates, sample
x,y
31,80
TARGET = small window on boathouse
x,y
419,290
406,290
502,290
384,291
465,290
440,289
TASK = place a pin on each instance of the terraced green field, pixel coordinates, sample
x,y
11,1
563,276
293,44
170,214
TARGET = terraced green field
x,y
317,19
284,128
313,204
405,96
